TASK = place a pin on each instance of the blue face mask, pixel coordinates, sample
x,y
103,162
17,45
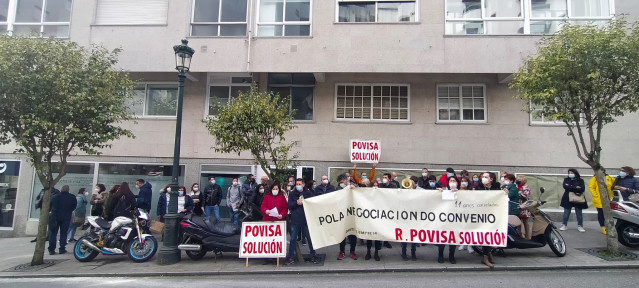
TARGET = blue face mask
x,y
299,188
622,174
475,179
571,176
314,186
451,174
432,184
180,193
212,181
364,177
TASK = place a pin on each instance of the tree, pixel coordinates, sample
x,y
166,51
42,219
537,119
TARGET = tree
x,y
56,98
586,77
256,121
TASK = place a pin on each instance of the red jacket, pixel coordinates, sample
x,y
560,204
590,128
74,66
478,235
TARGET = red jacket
x,y
270,202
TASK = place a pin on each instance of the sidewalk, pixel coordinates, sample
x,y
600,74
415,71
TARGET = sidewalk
x,y
16,251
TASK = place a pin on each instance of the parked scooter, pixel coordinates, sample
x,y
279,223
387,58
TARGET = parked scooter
x,y
121,236
544,230
626,212
204,234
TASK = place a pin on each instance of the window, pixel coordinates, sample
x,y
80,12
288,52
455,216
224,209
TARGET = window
x,y
372,102
223,87
299,88
376,11
538,118
219,18
127,12
46,18
9,179
154,100
461,103
284,18
498,17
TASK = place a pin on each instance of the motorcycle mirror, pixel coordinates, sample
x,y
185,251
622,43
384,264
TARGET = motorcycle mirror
x,y
542,190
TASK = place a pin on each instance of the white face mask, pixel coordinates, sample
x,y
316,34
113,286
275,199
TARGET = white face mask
x,y
342,185
168,189
275,192
485,181
325,181
195,189
97,190
464,184
234,183
452,185
261,190
502,179
384,180
506,182
424,174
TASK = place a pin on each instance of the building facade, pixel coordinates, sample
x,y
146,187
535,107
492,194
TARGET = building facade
x,y
428,79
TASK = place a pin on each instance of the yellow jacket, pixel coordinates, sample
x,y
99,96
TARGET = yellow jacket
x,y
594,190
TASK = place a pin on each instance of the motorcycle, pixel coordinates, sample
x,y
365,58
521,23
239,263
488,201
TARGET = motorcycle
x,y
121,236
626,212
201,234
544,231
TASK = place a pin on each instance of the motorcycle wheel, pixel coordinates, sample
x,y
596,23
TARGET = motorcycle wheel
x,y
142,252
82,252
196,255
556,242
624,239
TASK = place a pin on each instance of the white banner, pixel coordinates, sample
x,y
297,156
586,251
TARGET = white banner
x,y
365,151
408,215
263,240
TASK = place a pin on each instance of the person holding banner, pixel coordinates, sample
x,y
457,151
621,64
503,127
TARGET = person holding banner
x,y
488,183
452,185
298,219
352,239
466,184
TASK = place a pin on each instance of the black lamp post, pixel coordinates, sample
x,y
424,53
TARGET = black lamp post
x,y
169,253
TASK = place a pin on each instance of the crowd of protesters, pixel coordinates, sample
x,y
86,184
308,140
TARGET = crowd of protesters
x,y
276,201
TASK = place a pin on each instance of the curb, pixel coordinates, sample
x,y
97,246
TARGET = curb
x,y
326,271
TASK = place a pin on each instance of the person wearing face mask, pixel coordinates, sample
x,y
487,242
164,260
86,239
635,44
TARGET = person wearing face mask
x,y
298,220
452,186
185,202
145,195
593,187
359,180
234,197
258,198
98,197
248,187
626,181
573,183
387,182
443,180
465,184
524,214
274,200
432,183
510,188
324,187
80,212
211,199
423,181
475,182
352,239
195,196
163,201
488,183
395,179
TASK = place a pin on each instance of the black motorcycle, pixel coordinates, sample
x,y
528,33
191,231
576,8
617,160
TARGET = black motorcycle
x,y
201,234
121,236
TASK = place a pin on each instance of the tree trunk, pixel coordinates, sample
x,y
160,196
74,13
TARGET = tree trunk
x,y
38,253
612,245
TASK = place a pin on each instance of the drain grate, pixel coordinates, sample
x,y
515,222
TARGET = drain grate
x,y
28,268
603,254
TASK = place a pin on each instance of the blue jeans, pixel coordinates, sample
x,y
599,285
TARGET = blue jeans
x,y
234,216
580,218
294,231
71,232
212,210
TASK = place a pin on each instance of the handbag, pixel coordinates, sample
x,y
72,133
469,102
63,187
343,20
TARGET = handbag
x,y
157,227
78,219
576,198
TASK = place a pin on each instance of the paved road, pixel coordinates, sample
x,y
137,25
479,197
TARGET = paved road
x,y
488,279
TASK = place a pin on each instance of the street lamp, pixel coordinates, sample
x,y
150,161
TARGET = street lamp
x,y
169,253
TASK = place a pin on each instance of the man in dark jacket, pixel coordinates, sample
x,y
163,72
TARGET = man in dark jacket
x,y
325,186
249,186
423,181
298,219
143,198
62,206
211,198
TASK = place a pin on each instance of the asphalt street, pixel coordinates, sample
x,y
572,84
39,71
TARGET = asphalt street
x,y
488,279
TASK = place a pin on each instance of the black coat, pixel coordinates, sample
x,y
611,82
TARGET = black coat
x,y
321,189
570,185
212,195
62,206
123,204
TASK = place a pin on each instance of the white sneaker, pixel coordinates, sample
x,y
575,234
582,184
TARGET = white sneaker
x,y
564,228
581,229
470,249
461,247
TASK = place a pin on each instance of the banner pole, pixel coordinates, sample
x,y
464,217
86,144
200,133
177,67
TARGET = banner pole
x,y
246,262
